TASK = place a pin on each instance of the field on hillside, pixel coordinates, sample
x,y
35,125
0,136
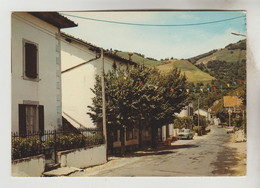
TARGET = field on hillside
x,y
139,59
225,55
192,73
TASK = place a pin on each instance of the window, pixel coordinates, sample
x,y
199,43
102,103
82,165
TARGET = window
x,y
31,118
30,60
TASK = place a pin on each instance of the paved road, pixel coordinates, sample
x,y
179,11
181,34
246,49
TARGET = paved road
x,y
203,156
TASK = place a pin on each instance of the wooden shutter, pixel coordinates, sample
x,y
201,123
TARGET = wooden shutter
x,y
22,119
30,60
41,118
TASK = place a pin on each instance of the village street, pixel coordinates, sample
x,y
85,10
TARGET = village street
x,y
208,155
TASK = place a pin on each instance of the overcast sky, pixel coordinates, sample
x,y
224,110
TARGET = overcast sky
x,y
160,42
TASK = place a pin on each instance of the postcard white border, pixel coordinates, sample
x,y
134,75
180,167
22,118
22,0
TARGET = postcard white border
x,y
253,77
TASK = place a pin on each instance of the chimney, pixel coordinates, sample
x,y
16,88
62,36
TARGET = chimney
x,y
129,55
115,51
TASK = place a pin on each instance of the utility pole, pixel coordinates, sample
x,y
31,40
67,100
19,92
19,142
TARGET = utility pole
x,y
229,113
198,115
103,99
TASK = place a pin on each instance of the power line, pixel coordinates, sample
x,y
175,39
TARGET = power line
x,y
156,25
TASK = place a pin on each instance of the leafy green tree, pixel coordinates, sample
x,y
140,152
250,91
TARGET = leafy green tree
x,y
139,96
202,124
184,122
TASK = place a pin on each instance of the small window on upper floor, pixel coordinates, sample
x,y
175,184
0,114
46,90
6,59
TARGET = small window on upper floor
x,y
30,61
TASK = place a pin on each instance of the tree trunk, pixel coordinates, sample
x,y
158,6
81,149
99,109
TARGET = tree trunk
x,y
154,136
122,139
167,131
140,139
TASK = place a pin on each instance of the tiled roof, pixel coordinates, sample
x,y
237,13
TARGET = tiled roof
x,y
93,47
55,19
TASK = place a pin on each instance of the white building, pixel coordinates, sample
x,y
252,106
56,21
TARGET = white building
x,y
80,65
205,114
35,66
169,130
186,111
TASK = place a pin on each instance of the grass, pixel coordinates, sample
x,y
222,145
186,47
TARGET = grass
x,y
225,55
192,73
139,59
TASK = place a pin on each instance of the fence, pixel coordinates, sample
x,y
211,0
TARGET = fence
x,y
49,142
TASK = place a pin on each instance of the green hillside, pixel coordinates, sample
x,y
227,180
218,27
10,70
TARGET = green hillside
x,y
215,64
139,58
227,65
192,73
231,53
225,55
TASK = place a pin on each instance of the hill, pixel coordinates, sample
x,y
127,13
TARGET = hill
x,y
231,53
227,65
139,58
192,73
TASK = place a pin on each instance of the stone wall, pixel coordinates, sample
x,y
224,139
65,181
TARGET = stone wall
x,y
83,157
28,167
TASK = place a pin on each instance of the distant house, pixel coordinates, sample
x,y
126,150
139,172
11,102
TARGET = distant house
x,y
169,130
205,114
187,111
35,66
233,103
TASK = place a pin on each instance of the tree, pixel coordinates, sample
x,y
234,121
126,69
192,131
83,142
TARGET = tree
x,y
173,97
184,122
140,96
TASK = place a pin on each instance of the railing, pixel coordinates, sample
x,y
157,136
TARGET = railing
x,y
49,142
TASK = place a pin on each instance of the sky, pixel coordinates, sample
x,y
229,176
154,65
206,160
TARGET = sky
x,y
159,42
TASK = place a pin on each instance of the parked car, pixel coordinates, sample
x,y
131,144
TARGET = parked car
x,y
185,134
230,130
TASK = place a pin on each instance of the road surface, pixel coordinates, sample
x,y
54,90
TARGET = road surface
x,y
204,156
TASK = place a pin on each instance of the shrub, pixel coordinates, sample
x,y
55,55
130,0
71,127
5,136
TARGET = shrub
x,y
31,146
25,147
64,142
183,122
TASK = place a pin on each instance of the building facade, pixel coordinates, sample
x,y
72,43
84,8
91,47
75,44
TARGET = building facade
x,y
80,65
36,70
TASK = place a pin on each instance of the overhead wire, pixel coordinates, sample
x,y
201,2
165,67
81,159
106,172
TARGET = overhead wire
x,y
154,25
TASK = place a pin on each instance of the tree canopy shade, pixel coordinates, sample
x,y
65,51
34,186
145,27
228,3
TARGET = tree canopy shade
x,y
140,97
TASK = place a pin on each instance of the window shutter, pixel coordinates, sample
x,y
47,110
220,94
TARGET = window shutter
x,y
41,118
30,60
22,120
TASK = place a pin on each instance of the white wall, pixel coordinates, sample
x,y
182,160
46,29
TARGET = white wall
x,y
82,158
186,111
77,83
202,113
28,167
171,126
183,113
47,90
164,133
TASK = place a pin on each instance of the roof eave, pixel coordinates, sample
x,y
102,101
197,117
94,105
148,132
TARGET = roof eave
x,y
54,18
97,49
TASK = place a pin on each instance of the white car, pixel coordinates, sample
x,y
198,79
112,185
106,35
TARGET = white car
x,y
185,134
230,130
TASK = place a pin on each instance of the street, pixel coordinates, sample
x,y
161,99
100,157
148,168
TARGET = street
x,y
207,155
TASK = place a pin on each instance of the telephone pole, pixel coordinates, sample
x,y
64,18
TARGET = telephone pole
x,y
103,99
198,115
